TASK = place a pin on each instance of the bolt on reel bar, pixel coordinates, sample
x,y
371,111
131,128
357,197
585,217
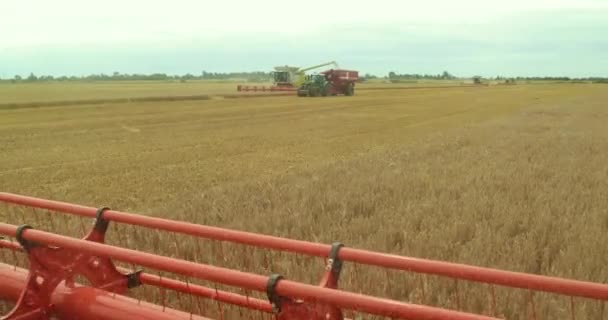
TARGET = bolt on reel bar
x,y
49,287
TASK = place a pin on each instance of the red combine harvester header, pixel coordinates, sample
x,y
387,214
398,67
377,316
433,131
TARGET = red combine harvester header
x,y
244,88
71,278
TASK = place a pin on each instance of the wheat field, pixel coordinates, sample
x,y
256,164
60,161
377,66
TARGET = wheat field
x,y
66,91
510,177
53,91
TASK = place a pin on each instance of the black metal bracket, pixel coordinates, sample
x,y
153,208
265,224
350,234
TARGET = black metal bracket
x,y
273,297
133,279
101,224
334,264
19,236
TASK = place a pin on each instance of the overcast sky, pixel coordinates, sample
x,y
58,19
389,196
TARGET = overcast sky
x,y
465,37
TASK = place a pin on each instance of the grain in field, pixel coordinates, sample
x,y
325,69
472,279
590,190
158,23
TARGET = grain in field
x,y
505,177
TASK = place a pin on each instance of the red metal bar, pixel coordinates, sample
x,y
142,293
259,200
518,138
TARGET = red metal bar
x,y
13,281
175,285
277,243
88,303
479,274
69,306
452,270
222,296
285,288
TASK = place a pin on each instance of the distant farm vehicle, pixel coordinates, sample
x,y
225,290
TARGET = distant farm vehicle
x,y
331,82
315,85
286,78
283,76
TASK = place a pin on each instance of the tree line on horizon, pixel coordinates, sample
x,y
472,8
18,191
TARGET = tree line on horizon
x,y
117,76
448,76
261,76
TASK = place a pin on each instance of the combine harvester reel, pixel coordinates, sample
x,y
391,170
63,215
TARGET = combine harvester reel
x,y
52,287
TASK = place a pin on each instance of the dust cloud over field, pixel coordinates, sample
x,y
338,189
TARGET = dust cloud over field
x,y
510,177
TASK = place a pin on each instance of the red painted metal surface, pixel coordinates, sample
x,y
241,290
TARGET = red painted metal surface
x,y
219,295
50,266
284,288
425,266
183,287
55,260
91,303
339,78
87,303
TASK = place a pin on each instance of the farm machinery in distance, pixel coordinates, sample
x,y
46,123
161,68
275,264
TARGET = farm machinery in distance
x,y
295,77
330,82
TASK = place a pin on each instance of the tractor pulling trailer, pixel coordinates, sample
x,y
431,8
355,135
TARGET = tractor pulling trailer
x,y
329,83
